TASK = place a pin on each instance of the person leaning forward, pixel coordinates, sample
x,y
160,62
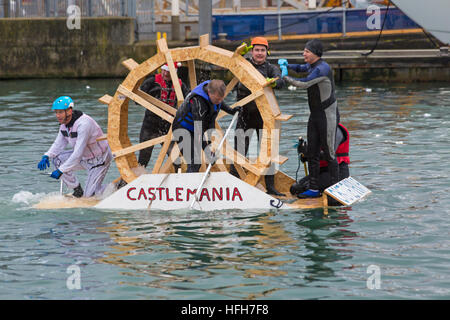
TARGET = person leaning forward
x,y
250,118
324,113
80,132
195,116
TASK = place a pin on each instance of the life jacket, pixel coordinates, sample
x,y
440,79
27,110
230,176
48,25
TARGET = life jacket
x,y
342,152
168,95
184,114
93,147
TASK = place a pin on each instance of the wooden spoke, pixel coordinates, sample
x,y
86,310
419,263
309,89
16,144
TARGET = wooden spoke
x,y
243,72
162,45
163,152
192,74
231,85
242,102
106,99
158,103
130,64
139,146
133,96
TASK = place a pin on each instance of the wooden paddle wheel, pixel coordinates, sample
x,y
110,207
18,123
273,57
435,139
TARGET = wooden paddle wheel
x,y
261,92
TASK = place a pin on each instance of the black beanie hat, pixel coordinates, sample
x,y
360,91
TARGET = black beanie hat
x,y
315,46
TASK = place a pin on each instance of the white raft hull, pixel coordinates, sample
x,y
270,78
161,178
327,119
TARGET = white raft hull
x,y
221,191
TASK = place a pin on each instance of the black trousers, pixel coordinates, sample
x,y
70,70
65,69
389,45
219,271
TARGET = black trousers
x,y
151,129
324,179
249,119
322,135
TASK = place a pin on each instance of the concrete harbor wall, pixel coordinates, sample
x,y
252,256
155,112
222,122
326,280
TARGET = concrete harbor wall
x,y
47,48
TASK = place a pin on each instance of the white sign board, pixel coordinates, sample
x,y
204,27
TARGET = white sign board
x,y
347,191
175,191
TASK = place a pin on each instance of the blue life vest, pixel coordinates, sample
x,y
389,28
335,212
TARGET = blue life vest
x,y
184,113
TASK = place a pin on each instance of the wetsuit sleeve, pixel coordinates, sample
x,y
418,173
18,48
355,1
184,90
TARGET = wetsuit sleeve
x,y
274,72
304,84
84,132
58,146
299,67
227,109
151,87
322,70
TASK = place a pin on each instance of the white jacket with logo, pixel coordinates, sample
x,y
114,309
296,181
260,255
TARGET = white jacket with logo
x,y
82,138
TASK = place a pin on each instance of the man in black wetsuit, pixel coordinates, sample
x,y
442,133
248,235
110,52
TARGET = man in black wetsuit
x,y
159,86
250,118
324,117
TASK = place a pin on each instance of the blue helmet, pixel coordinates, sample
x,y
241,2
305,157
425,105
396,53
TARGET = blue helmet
x,y
63,103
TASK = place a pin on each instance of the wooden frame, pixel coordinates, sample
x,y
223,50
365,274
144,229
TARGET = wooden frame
x,y
243,71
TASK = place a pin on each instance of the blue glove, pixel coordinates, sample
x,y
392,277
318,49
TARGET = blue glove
x,y
284,71
56,174
282,62
44,163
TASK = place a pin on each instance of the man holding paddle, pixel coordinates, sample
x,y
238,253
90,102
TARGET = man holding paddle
x,y
198,114
80,132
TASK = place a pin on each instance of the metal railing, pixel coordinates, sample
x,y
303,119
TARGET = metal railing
x,y
58,8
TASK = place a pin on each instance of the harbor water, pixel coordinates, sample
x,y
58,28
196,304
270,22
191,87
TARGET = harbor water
x,y
393,244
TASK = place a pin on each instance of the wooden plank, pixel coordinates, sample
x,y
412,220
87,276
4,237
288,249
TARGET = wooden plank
x,y
280,159
238,51
192,74
242,102
162,45
162,153
185,53
174,77
240,171
204,40
130,64
283,117
106,99
164,106
139,146
231,85
220,165
283,182
235,156
252,179
168,165
133,96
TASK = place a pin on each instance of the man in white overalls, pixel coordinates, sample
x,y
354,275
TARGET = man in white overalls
x,y
80,132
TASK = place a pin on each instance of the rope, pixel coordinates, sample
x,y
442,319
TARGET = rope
x,y
298,167
381,31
